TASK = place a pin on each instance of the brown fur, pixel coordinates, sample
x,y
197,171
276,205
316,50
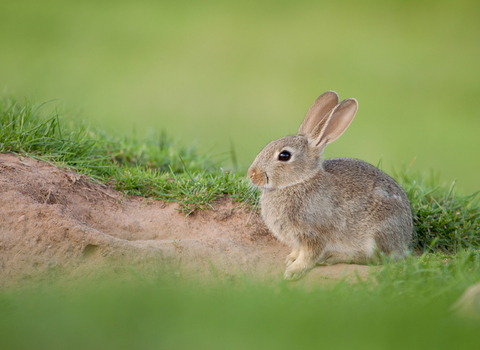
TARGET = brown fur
x,y
337,210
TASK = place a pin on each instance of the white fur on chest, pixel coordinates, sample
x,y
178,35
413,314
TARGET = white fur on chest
x,y
277,217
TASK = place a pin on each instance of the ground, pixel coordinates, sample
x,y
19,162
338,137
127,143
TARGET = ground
x,y
54,221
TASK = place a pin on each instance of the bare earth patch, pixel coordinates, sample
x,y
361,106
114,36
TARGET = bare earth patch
x,y
54,220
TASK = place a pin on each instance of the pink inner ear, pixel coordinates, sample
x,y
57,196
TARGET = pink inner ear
x,y
318,115
316,132
339,121
318,111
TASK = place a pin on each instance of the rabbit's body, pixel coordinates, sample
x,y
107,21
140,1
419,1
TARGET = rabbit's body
x,y
349,208
337,210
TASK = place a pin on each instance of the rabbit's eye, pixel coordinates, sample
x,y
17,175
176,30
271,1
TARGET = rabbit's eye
x,y
284,156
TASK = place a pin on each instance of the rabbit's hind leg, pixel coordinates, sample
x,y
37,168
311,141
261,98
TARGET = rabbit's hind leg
x,y
334,258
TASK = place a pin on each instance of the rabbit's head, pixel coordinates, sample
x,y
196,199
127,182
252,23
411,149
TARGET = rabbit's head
x,y
295,159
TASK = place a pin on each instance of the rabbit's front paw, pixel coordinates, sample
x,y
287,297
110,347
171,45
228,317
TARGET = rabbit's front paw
x,y
291,258
294,272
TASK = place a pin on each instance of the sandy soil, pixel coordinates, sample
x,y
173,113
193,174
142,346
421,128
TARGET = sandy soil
x,y
54,220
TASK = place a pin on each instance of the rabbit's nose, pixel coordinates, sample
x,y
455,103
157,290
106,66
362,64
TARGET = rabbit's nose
x,y
257,177
251,173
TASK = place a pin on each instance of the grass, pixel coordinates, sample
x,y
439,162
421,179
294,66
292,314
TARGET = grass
x,y
160,168
155,167
409,306
406,304
443,221
25,130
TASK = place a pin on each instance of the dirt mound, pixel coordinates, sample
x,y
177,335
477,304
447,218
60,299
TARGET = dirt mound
x,y
53,219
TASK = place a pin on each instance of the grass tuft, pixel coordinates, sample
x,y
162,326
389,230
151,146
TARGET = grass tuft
x,y
159,167
25,130
443,221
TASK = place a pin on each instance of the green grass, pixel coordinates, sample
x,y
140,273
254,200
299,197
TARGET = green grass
x,y
156,166
443,221
160,168
408,307
25,129
406,304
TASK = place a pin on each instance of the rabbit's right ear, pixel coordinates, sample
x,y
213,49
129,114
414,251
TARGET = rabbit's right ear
x,y
320,109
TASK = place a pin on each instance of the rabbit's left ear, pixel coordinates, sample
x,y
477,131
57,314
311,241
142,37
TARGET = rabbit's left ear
x,y
333,126
320,109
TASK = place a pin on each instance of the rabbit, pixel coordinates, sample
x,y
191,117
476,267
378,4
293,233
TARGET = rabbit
x,y
329,211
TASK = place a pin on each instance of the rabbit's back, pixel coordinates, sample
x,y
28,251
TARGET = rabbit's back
x,y
357,178
371,201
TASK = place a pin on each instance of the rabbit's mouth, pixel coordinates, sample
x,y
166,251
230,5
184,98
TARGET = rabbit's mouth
x,y
264,185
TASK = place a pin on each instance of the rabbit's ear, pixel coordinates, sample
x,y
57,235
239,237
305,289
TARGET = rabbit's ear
x,y
319,110
331,127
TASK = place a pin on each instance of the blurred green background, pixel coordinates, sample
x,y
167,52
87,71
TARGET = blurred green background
x,y
242,73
